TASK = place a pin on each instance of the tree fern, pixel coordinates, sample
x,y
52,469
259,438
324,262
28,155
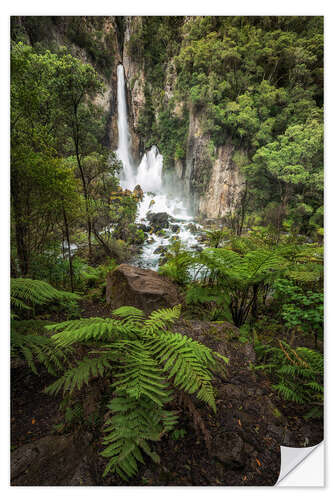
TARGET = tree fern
x,y
240,277
146,363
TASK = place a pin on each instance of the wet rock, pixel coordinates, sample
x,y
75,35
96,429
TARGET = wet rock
x,y
50,461
144,228
230,391
192,228
160,250
202,238
196,248
263,406
138,192
229,449
142,288
158,220
175,228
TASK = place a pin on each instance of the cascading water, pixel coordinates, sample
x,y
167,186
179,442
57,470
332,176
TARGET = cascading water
x,y
124,151
149,176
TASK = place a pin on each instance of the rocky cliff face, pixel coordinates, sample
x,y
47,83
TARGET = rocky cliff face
x,y
88,39
135,78
210,179
225,186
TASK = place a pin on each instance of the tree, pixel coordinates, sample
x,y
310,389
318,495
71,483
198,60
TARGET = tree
x,y
78,84
295,161
52,119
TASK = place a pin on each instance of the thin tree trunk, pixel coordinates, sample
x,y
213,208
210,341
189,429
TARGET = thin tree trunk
x,y
83,179
71,274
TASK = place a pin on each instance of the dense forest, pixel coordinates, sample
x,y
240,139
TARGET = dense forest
x,y
166,248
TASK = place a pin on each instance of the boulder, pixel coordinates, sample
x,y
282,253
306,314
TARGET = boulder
x,y
175,228
229,449
52,461
192,228
138,192
158,220
144,228
143,288
160,250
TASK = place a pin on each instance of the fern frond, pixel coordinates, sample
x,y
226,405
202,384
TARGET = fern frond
x,y
187,363
39,348
201,295
87,330
131,316
146,360
133,424
81,374
142,376
39,292
161,319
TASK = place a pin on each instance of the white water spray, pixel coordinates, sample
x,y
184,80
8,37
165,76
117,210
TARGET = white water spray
x,y
149,176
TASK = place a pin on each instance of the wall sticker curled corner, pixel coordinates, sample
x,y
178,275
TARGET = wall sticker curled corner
x,y
291,458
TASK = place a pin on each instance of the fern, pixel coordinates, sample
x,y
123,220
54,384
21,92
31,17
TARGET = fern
x,y
147,363
31,346
134,423
74,378
38,348
299,373
25,292
240,277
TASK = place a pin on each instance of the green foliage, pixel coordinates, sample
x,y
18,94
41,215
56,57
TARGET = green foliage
x,y
299,374
28,340
147,362
178,434
300,309
98,45
178,264
55,132
35,348
241,277
26,292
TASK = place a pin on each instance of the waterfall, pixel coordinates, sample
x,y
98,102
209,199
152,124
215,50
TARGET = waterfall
x,y
123,152
149,176
149,172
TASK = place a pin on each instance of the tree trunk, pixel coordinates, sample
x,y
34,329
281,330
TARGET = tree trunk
x,y
83,179
21,229
71,274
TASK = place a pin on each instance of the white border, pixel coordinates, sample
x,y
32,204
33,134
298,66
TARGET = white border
x,y
143,7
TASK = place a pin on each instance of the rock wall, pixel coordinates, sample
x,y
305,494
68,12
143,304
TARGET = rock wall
x,y
135,79
210,180
225,186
